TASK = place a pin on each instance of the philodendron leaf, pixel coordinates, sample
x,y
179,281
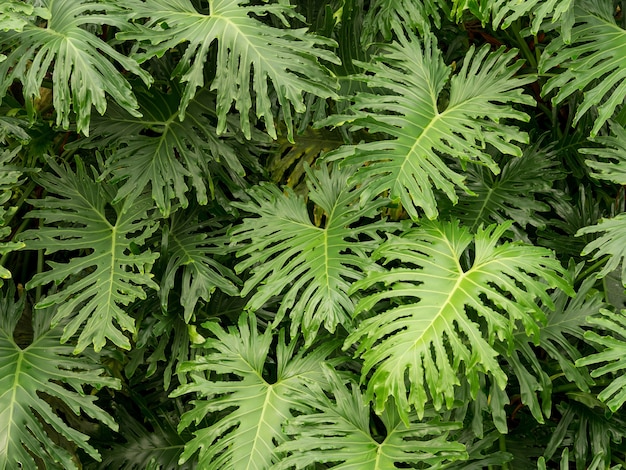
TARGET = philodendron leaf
x,y
9,179
29,377
251,396
446,315
82,74
594,63
611,353
78,214
312,265
160,151
250,55
612,243
341,431
421,125
191,249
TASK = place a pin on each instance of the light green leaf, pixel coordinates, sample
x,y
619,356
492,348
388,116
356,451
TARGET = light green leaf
x,y
250,55
254,407
341,432
612,243
612,352
424,126
448,316
77,59
109,274
190,249
312,265
29,378
593,62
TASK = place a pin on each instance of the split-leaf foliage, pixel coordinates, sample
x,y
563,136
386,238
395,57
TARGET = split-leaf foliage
x,y
288,234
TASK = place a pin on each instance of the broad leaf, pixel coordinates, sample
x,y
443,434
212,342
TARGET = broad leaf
x,y
255,406
611,243
341,432
82,74
424,125
312,266
110,273
449,316
191,249
250,55
593,62
612,351
30,379
164,152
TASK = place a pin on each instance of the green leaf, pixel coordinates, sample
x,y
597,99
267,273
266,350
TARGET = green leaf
x,y
163,151
558,338
593,62
424,126
612,164
253,408
514,194
156,449
191,248
385,17
33,377
108,275
612,352
589,432
77,59
612,243
9,179
312,266
448,315
250,54
341,432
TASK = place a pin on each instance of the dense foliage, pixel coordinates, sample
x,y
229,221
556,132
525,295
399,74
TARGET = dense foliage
x,y
351,234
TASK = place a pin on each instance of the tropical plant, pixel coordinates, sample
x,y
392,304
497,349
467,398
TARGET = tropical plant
x,y
350,234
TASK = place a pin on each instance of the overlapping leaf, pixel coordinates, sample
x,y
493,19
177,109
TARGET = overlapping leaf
x,y
424,126
78,60
594,63
559,338
612,156
9,179
29,378
312,266
163,152
514,194
191,249
611,243
254,407
250,55
110,272
341,432
448,316
612,353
